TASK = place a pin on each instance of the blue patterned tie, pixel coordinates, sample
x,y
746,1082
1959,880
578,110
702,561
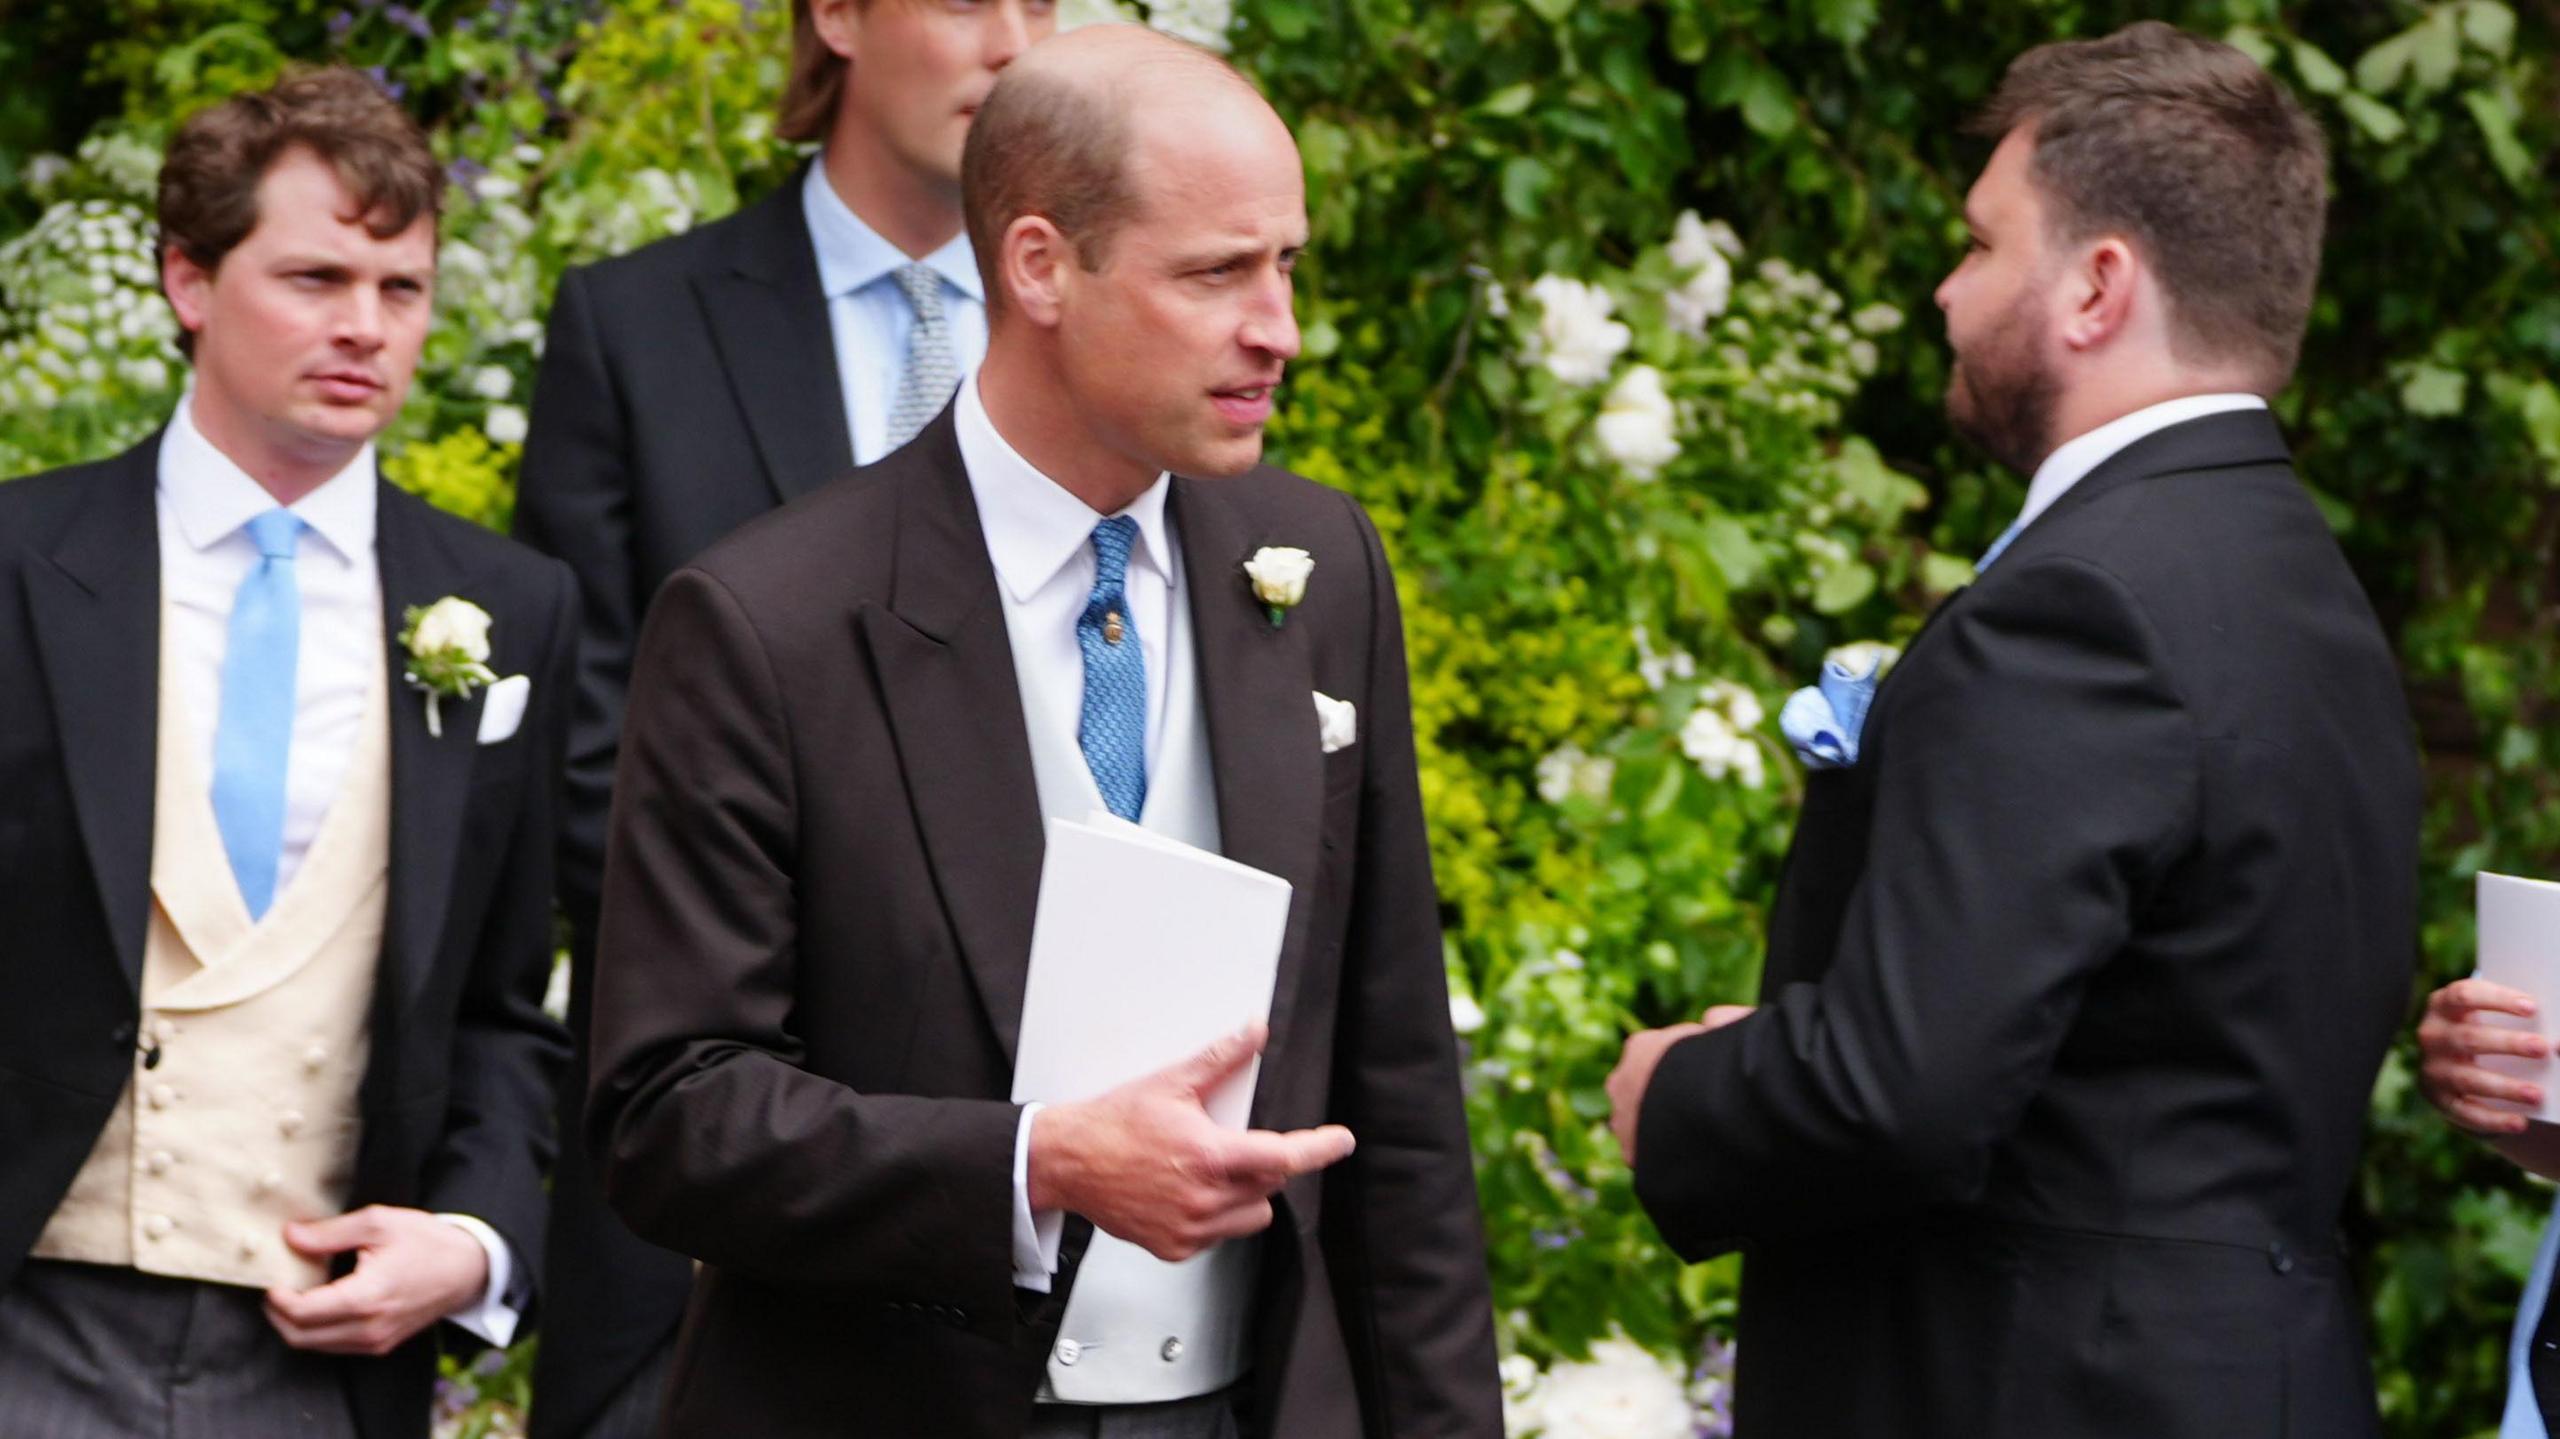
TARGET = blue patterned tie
x,y
1114,728
253,734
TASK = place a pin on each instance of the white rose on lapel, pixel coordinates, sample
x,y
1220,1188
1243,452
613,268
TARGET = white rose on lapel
x,y
1337,722
448,645
1279,575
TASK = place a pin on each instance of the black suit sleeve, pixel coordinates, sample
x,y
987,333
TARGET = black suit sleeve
x,y
711,1138
507,1053
2033,782
573,501
1403,1235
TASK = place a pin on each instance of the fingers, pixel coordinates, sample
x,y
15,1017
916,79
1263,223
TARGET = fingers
x,y
2472,1040
1265,1159
320,1238
1720,1015
2470,994
341,1301
2481,1118
1212,1066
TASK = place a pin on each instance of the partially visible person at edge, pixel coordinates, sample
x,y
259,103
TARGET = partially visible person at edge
x,y
276,1094
692,385
2083,967
2454,1035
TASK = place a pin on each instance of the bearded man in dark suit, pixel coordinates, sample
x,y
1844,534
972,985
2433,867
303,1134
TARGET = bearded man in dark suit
x,y
2084,963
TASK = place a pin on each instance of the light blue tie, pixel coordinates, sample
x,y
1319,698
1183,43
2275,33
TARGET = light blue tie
x,y
1999,546
253,735
1113,730
2523,1417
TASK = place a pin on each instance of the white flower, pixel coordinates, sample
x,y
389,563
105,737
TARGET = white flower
x,y
1576,339
1620,1392
1202,22
1876,319
1465,1015
1712,740
1701,297
1279,574
493,382
505,424
1694,241
1569,772
453,623
1520,1384
1637,423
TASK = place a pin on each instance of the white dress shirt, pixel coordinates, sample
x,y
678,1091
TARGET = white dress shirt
x,y
204,504
1041,540
869,314
2071,462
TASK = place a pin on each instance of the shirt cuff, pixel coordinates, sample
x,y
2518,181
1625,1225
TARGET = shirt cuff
x,y
489,1317
1035,1236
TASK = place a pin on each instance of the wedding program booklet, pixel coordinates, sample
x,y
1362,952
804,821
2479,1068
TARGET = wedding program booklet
x,y
1144,950
2520,948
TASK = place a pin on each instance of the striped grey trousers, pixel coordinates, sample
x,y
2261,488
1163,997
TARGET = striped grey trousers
x,y
93,1352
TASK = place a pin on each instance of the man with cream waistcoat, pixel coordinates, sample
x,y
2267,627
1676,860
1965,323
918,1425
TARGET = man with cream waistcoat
x,y
275,863
1075,589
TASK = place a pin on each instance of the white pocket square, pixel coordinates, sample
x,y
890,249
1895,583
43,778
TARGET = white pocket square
x,y
502,707
1337,722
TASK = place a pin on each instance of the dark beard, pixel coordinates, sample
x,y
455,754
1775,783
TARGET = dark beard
x,y
2003,398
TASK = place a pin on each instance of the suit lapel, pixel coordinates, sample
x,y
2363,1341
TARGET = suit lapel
x,y
769,318
945,667
1257,694
430,774
96,612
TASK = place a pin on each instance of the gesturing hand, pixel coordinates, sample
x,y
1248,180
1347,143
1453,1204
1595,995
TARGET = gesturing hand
x,y
412,1269
1147,1164
1642,1055
2451,1039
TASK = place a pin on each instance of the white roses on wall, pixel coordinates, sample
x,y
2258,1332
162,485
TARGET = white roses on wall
x,y
1638,425
1576,340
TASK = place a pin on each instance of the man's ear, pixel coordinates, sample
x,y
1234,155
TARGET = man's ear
x,y
189,287
839,25
1039,268
2100,294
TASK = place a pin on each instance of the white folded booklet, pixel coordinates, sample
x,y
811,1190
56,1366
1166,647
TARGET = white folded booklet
x,y
2520,948
1144,951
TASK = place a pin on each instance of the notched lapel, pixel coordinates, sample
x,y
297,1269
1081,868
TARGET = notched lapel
x,y
430,774
945,670
95,606
769,319
1257,691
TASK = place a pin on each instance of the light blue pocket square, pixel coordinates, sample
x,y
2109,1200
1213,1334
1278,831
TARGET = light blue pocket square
x,y
1823,722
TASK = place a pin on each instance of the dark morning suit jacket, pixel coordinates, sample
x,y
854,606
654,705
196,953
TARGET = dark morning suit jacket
x,y
685,388
825,858
456,1097
2076,989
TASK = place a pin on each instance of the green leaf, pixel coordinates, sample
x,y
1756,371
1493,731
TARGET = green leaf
x,y
2495,115
2432,391
1845,588
2540,409
2437,54
2382,67
2489,25
1552,11
1290,20
2373,117
1509,100
1768,107
1943,574
1846,21
2320,74
1525,181
1730,546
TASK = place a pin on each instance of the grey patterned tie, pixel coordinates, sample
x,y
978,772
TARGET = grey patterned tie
x,y
933,371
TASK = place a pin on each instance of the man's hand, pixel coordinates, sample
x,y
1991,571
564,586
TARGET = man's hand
x,y
2451,1039
412,1269
1636,1063
1147,1164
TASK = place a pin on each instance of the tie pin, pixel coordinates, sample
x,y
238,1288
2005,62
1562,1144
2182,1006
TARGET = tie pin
x,y
1111,630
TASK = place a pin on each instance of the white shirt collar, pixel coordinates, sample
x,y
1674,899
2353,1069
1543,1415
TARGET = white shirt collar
x,y
852,255
210,497
1033,525
2071,463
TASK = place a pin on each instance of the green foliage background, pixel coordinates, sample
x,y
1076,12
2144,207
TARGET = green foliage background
x,y
1605,852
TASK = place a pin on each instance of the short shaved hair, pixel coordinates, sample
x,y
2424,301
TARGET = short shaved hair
x,y
1054,142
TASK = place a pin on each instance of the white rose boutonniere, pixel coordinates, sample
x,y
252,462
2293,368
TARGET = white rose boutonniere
x,y
448,645
1279,575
